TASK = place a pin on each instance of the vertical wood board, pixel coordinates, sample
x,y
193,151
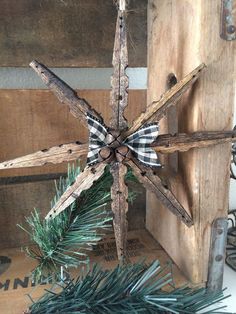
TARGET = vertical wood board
x,y
181,35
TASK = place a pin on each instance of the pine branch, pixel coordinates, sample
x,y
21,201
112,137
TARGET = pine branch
x,y
66,239
127,289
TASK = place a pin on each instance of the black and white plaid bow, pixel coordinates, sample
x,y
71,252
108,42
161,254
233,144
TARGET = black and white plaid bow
x,y
138,142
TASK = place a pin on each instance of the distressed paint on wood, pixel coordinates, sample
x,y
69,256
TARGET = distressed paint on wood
x,y
68,33
32,120
177,45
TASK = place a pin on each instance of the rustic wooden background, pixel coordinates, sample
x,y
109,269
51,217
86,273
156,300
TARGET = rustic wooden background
x,y
180,44
59,33
76,33
32,120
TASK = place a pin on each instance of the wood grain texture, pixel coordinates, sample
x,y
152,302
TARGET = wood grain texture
x,y
54,155
68,33
119,79
157,109
34,120
167,143
78,107
82,183
119,206
153,184
17,202
208,106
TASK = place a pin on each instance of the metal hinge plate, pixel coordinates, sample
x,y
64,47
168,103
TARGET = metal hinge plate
x,y
217,254
228,20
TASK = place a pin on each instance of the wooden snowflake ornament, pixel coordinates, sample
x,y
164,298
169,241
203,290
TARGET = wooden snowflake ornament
x,y
118,145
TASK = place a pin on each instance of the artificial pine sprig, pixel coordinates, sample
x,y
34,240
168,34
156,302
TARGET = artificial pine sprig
x,y
128,289
66,239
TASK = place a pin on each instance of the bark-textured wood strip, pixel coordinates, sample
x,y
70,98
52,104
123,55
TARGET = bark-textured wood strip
x,y
79,108
34,120
119,79
55,155
83,182
157,109
68,33
119,205
153,183
182,142
208,106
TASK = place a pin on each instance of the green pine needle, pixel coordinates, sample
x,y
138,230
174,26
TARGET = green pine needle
x,y
66,239
128,289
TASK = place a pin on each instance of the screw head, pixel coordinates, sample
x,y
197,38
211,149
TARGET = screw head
x,y
219,258
231,29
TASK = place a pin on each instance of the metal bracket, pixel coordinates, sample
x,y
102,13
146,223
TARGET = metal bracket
x,y
217,254
228,28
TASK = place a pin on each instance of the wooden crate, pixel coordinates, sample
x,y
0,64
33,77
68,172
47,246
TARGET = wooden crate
x,y
181,35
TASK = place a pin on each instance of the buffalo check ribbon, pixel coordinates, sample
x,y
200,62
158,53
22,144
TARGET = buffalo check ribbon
x,y
138,142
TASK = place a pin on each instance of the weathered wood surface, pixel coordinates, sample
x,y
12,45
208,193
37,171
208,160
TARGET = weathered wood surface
x,y
119,79
33,120
79,108
167,143
157,109
55,155
68,33
119,206
153,183
207,107
83,182
17,202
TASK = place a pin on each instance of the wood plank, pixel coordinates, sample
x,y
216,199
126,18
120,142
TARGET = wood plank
x,y
33,120
68,33
207,107
17,201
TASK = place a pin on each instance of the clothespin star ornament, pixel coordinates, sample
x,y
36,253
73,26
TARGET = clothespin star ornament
x,y
117,145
